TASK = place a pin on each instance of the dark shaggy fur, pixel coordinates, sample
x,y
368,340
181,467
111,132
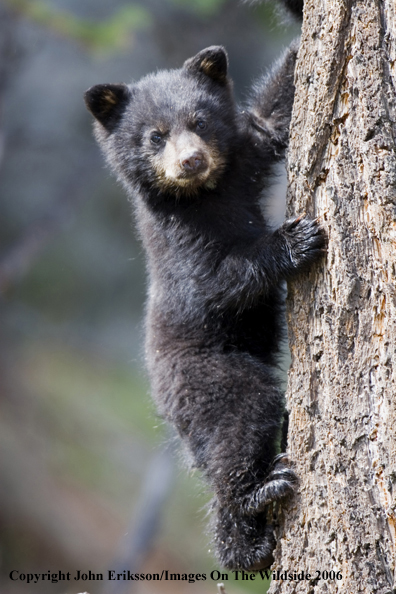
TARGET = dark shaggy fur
x,y
294,6
196,166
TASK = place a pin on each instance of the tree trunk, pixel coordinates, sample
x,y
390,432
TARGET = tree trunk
x,y
342,315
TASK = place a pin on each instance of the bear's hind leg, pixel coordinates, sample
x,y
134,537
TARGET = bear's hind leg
x,y
242,541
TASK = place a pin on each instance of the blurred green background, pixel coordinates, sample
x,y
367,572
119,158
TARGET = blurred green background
x,y
86,480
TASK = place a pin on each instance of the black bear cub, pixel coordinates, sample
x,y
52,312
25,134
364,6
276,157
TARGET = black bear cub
x,y
196,166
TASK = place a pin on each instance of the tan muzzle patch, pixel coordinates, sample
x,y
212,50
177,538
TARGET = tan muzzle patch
x,y
188,163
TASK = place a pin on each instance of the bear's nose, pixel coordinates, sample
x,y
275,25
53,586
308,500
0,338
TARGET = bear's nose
x,y
192,162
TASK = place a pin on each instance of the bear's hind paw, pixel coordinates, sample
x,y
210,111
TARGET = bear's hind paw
x,y
279,484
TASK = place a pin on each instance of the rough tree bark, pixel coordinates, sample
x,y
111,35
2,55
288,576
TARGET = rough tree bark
x,y
342,315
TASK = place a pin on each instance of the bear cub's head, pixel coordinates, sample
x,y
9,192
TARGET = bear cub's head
x,y
171,132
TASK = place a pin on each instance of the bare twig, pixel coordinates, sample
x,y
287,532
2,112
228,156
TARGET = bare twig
x,y
146,521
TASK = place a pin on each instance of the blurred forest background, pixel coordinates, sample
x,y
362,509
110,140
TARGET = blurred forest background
x,y
86,480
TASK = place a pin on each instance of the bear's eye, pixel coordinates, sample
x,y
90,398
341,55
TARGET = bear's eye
x,y
155,137
201,125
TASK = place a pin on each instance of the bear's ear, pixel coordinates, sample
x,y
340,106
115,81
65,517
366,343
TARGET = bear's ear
x,y
107,103
212,61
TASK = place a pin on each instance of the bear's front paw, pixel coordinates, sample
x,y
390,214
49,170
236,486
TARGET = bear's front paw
x,y
305,241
